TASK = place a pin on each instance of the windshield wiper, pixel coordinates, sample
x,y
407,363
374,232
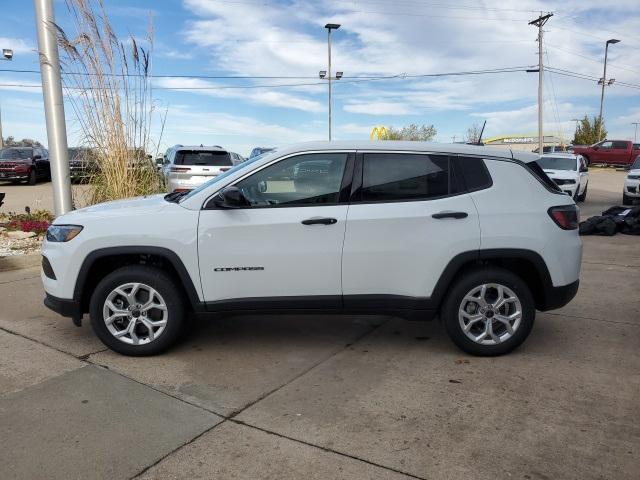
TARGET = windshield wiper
x,y
175,196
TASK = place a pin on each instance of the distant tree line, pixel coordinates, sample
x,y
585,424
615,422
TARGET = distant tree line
x,y
10,141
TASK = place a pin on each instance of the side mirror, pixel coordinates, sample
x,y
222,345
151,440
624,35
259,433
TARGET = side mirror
x,y
37,157
584,169
230,197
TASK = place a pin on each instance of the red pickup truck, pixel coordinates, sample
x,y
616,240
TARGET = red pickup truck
x,y
610,152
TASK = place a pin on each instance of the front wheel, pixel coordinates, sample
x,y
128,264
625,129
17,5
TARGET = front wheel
x,y
137,310
33,177
489,312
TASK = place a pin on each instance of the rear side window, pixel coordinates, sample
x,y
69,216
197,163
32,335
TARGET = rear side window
x,y
388,177
475,173
206,158
620,145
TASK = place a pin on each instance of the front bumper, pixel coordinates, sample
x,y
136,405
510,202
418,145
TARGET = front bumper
x,y
14,176
65,307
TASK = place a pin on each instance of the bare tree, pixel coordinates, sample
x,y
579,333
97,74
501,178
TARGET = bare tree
x,y
473,133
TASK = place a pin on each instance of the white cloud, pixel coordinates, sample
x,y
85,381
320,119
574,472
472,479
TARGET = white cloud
x,y
380,108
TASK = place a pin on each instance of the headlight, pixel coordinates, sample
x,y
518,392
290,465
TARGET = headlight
x,y
62,233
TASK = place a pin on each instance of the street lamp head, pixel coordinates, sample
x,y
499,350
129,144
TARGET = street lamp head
x,y
611,81
339,75
7,53
322,73
332,26
613,40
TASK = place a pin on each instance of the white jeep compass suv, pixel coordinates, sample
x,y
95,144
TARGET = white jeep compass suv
x,y
479,237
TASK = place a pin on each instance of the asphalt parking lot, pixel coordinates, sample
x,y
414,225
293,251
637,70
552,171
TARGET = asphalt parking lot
x,y
322,397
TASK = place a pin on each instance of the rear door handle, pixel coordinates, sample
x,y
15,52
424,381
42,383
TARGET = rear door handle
x,y
456,215
319,221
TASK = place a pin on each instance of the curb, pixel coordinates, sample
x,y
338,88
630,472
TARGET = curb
x,y
17,262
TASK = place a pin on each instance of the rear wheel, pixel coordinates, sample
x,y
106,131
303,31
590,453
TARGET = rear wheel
x,y
489,312
137,310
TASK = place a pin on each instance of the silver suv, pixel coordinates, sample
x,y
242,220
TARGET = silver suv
x,y
187,167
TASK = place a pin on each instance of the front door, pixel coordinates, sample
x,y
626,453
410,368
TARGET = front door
x,y
285,249
410,218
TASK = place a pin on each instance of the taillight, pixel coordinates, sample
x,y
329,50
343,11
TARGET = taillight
x,y
180,169
566,216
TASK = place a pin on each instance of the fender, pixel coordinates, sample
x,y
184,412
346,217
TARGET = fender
x,y
165,253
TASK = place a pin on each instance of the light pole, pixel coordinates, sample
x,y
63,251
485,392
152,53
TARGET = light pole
x,y
635,135
7,54
329,27
603,81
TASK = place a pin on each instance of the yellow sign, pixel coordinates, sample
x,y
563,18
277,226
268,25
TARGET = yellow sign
x,y
379,132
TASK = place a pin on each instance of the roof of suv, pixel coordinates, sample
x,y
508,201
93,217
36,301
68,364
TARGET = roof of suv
x,y
207,148
458,148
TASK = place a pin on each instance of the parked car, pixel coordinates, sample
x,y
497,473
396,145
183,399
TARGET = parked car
x,y
259,151
82,164
610,152
569,172
480,237
188,167
631,190
553,149
24,164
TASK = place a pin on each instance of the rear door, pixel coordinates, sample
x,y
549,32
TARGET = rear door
x,y
285,249
409,216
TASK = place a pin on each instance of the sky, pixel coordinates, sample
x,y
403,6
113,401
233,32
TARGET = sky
x,y
395,39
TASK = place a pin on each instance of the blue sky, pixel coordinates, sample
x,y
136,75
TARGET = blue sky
x,y
377,38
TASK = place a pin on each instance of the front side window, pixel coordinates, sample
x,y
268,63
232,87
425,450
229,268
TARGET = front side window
x,y
388,177
606,145
312,179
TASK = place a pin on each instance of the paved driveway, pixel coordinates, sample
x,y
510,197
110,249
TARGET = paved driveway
x,y
332,397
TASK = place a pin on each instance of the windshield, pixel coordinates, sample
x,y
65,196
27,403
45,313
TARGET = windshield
x,y
558,163
222,176
15,154
636,163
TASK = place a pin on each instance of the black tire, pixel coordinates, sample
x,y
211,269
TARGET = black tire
x,y
33,178
475,278
583,196
158,280
626,200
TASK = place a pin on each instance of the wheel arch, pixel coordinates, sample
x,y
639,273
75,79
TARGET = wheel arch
x,y
103,261
527,264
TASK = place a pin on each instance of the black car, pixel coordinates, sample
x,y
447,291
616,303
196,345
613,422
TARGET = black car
x,y
82,164
20,164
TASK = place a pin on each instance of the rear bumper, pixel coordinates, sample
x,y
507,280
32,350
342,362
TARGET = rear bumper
x,y
557,297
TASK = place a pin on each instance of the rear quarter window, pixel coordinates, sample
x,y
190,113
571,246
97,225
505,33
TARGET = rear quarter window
x,y
474,173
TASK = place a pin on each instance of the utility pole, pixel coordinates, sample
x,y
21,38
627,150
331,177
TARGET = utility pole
x,y
53,106
603,80
539,22
635,135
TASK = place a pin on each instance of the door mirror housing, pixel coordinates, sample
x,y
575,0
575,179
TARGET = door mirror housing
x,y
37,157
230,197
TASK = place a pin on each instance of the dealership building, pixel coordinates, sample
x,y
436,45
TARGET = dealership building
x,y
526,143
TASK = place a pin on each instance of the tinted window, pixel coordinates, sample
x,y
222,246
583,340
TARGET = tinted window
x,y
199,157
300,180
620,145
606,144
636,146
402,176
557,163
474,171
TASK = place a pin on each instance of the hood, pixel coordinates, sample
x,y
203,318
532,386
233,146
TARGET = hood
x,y
118,208
634,171
564,174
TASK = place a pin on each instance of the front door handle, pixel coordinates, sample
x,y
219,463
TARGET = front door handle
x,y
319,221
456,215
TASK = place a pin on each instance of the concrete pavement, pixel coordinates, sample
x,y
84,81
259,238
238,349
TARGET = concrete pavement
x,y
332,397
